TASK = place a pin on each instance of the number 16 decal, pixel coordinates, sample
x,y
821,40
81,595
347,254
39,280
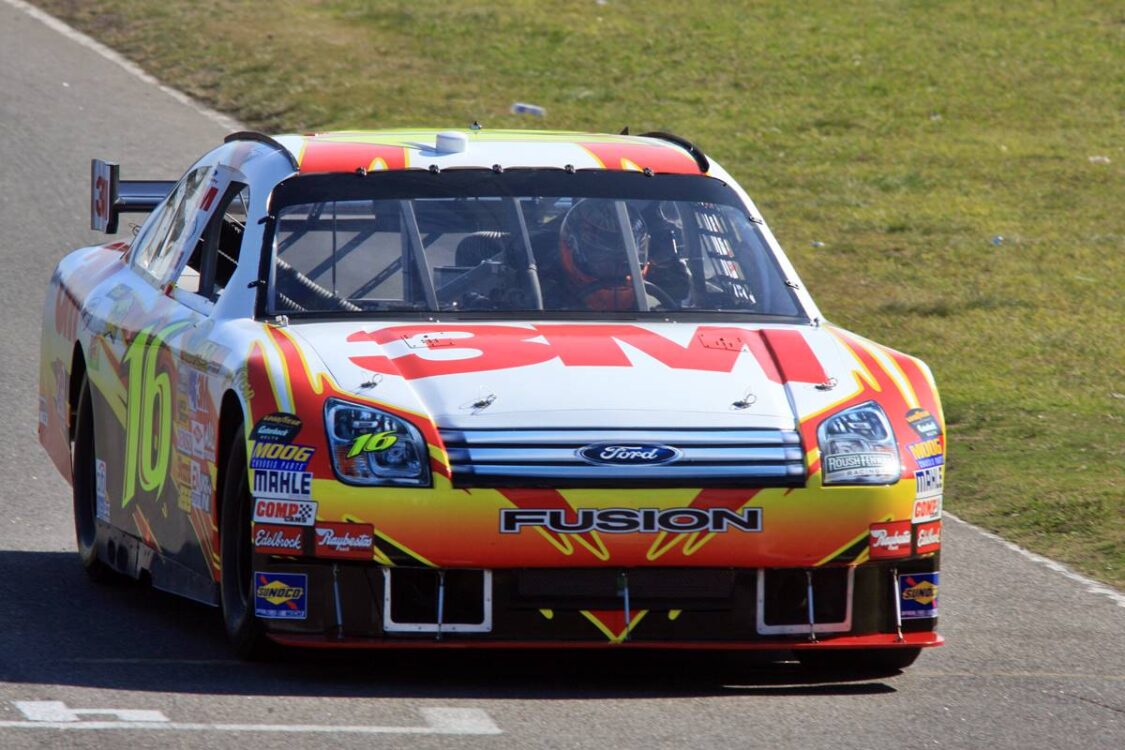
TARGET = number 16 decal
x,y
148,428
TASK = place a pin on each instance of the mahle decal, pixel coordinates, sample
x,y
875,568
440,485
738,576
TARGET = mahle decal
x,y
374,442
148,428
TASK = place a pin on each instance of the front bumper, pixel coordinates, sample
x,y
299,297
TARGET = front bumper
x,y
360,605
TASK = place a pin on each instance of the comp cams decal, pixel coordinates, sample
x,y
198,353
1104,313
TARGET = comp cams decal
x,y
630,520
288,512
281,596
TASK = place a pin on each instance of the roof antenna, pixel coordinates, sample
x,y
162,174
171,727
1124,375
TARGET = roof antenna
x,y
624,130
475,126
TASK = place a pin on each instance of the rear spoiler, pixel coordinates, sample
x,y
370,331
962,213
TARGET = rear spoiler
x,y
110,196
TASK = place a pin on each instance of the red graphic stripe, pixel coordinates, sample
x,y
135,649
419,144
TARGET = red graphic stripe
x,y
329,156
644,156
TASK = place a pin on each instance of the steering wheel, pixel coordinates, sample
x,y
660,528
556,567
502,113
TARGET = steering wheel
x,y
665,299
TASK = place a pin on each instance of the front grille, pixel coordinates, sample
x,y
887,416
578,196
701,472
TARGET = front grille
x,y
551,458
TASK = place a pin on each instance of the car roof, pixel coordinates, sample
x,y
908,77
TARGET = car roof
x,y
373,150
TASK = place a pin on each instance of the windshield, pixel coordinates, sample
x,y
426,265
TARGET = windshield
x,y
523,241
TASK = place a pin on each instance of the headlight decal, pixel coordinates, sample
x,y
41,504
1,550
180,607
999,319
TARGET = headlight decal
x,y
858,446
369,446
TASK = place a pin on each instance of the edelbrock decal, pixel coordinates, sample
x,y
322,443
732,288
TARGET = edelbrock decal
x,y
270,539
631,520
629,454
928,538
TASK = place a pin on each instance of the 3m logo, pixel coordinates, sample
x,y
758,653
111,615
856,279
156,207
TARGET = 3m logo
x,y
421,351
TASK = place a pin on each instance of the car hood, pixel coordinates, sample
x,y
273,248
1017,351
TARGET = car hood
x,y
584,375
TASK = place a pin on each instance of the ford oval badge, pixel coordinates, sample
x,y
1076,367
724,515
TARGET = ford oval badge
x,y
629,454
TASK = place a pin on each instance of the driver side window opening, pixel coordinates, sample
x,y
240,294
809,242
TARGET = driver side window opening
x,y
215,256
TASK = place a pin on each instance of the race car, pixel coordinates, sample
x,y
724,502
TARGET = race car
x,y
488,389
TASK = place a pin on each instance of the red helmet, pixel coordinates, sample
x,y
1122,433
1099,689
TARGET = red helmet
x,y
595,257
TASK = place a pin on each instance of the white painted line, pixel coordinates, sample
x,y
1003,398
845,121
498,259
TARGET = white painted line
x,y
459,721
57,711
1093,587
74,35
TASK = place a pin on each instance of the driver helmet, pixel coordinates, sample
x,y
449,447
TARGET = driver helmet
x,y
595,257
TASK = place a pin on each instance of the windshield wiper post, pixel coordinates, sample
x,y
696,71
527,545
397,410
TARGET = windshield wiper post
x,y
529,254
422,267
631,251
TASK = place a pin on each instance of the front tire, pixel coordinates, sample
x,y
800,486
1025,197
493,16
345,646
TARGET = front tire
x,y
244,629
84,478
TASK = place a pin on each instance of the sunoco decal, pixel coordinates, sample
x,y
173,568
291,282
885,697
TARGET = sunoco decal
x,y
630,520
918,594
281,596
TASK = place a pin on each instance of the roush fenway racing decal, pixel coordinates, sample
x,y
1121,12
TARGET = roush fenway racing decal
x,y
928,537
279,540
351,541
889,540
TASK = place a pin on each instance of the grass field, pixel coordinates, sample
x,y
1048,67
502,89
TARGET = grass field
x,y
903,135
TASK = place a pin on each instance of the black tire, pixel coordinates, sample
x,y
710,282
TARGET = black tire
x,y
84,482
859,660
244,629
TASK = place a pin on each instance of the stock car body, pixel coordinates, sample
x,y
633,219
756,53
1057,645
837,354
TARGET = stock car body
x,y
486,389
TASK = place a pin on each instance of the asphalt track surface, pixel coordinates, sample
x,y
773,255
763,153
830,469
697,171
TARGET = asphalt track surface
x,y
1034,659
